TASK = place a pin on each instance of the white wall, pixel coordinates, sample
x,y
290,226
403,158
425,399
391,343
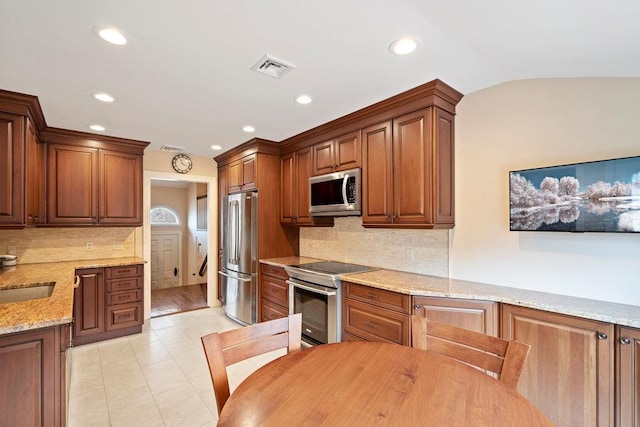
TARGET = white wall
x,y
537,123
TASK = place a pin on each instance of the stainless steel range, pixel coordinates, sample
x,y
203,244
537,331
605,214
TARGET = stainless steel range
x,y
315,290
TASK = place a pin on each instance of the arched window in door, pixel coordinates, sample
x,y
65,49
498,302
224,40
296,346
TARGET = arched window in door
x,y
163,215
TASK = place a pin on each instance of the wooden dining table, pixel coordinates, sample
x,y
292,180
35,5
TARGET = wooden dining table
x,y
367,383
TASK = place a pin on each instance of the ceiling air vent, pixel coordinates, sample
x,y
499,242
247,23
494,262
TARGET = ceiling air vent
x,y
172,148
272,67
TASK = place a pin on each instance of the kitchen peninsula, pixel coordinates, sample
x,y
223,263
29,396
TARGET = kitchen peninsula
x,y
581,348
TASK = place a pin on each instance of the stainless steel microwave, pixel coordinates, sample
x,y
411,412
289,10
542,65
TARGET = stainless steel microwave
x,y
336,194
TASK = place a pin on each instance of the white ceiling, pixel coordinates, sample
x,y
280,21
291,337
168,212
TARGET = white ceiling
x,y
184,79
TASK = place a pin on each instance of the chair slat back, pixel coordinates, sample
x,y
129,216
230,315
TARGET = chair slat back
x,y
503,357
226,348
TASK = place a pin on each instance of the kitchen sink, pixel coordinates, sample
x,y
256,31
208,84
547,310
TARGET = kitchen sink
x,y
29,292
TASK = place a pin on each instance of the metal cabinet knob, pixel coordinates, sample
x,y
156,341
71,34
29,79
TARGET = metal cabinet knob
x,y
625,341
602,336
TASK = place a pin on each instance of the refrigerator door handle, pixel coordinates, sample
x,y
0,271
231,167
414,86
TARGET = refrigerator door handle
x,y
234,277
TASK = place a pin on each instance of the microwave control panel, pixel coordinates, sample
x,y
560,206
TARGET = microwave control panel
x,y
351,189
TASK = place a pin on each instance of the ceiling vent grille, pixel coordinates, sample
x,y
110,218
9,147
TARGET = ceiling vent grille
x,y
272,67
172,148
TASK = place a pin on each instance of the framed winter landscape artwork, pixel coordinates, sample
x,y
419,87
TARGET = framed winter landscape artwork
x,y
600,196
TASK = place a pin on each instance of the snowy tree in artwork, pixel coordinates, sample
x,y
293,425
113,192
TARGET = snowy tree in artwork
x,y
568,186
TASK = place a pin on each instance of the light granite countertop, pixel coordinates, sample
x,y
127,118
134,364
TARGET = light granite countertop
x,y
54,310
434,286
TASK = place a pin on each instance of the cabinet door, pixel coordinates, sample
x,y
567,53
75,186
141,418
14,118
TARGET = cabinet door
x,y
249,172
474,315
287,189
35,178
120,188
72,185
347,151
412,159
377,168
569,371
12,169
30,364
88,302
235,177
303,165
323,158
628,377
444,188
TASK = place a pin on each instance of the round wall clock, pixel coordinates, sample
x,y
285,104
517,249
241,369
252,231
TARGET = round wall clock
x,y
182,163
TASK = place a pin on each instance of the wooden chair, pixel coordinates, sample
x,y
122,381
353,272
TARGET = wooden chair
x,y
503,357
226,348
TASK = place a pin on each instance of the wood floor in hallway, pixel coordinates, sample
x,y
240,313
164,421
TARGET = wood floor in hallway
x,y
179,299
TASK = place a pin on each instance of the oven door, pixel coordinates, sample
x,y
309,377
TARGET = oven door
x,y
319,306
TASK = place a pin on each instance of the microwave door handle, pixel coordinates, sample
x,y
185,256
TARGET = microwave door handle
x,y
310,289
344,189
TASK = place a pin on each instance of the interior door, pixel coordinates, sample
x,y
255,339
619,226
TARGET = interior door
x,y
165,260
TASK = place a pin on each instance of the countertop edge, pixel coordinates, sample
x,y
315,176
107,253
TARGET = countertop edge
x,y
433,286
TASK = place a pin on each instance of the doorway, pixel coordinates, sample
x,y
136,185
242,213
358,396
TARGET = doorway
x,y
177,278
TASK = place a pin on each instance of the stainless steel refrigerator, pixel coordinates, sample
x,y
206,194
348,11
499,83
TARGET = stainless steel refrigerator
x,y
239,270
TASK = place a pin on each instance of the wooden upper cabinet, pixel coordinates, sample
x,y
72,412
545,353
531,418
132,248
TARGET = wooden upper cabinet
x,y
88,186
627,376
12,169
295,171
377,174
569,373
35,178
408,171
120,187
72,185
337,154
242,174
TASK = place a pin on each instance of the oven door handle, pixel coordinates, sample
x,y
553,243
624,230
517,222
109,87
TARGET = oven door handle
x,y
311,289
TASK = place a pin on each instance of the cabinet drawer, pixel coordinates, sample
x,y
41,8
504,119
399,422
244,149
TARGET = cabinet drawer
x,y
124,284
351,338
376,324
275,271
123,271
123,315
123,297
379,297
272,311
275,290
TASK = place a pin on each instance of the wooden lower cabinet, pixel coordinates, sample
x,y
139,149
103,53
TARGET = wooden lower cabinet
x,y
33,383
274,292
569,373
627,377
108,303
371,314
475,315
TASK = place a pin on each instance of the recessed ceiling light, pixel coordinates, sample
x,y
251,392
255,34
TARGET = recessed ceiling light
x,y
303,99
249,129
98,128
216,147
110,35
104,97
404,46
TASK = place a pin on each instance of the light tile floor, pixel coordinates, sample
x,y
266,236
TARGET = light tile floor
x,y
156,378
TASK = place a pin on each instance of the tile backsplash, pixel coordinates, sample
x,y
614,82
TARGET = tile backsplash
x,y
36,245
413,250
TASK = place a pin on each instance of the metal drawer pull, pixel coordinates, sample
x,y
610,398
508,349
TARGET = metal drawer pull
x,y
625,341
372,325
76,282
372,295
602,336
